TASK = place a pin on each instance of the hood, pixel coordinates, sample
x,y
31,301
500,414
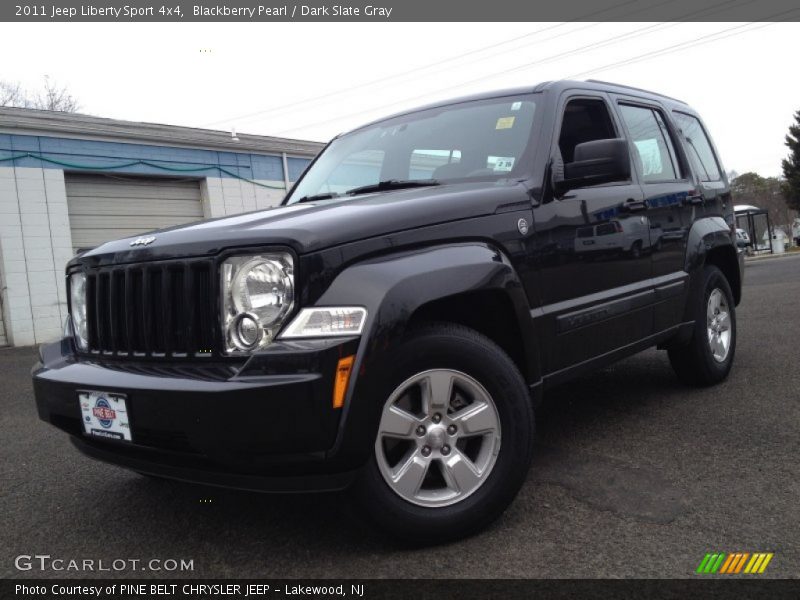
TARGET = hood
x,y
313,226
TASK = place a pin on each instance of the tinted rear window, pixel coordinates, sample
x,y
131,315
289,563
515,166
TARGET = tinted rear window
x,y
606,229
699,147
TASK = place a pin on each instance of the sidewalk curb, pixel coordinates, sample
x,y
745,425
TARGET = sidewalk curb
x,y
770,257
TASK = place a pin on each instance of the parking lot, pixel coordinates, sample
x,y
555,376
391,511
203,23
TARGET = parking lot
x,y
634,476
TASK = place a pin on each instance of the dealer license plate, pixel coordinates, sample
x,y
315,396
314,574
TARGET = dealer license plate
x,y
105,415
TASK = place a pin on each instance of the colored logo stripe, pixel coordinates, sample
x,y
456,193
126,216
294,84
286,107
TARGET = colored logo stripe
x,y
759,562
728,563
711,562
737,563
734,563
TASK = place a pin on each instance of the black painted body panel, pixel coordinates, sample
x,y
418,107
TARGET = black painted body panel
x,y
578,302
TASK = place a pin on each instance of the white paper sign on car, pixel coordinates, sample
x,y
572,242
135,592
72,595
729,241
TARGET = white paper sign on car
x,y
650,155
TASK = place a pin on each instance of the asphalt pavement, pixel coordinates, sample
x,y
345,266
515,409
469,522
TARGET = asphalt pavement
x,y
635,475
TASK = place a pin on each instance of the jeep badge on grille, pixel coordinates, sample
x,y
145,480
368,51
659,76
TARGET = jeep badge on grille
x,y
143,241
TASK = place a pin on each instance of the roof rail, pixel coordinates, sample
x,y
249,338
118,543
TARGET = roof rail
x,y
630,87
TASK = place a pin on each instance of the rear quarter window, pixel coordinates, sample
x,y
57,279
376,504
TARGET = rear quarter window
x,y
698,147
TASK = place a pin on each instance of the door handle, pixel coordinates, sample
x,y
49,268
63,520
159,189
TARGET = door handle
x,y
631,205
695,199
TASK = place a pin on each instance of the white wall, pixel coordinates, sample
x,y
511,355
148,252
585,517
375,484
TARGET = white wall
x,y
35,244
227,196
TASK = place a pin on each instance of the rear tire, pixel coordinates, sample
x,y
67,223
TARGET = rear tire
x,y
708,356
432,481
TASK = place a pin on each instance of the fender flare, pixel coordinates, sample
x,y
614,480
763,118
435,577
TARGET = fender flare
x,y
392,287
705,235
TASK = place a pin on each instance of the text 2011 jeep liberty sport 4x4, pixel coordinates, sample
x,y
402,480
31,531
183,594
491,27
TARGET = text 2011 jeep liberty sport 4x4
x,y
390,326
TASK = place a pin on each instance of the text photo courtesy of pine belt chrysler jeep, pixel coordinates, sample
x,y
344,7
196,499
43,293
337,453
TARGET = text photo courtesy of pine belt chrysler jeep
x,y
390,327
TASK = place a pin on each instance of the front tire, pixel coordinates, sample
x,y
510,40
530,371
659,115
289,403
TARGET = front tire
x,y
454,439
708,357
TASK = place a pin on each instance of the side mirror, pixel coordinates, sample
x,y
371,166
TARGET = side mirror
x,y
597,162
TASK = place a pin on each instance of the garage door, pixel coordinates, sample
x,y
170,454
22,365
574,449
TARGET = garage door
x,y
107,207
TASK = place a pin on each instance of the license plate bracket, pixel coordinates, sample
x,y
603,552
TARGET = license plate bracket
x,y
105,415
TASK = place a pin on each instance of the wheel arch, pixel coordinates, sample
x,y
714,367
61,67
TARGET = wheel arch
x,y
436,283
710,243
487,311
726,260
404,289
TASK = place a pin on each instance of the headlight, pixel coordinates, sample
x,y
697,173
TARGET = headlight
x,y
327,322
77,309
257,295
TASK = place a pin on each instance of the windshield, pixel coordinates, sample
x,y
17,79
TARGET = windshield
x,y
478,140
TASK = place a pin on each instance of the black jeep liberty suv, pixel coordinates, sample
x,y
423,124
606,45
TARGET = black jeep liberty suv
x,y
390,327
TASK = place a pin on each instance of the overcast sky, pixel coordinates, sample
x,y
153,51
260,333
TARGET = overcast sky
x,y
314,80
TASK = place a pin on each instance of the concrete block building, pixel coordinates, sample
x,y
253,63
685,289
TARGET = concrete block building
x,y
71,182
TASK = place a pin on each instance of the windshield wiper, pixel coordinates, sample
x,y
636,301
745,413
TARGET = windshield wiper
x,y
325,196
391,184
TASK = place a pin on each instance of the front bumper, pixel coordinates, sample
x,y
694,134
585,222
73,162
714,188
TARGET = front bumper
x,y
265,424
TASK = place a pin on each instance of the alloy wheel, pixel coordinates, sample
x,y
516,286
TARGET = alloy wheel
x,y
438,438
718,324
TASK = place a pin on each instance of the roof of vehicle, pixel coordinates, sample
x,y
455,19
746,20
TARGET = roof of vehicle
x,y
746,208
547,86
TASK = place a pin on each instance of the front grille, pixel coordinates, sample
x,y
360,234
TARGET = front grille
x,y
156,309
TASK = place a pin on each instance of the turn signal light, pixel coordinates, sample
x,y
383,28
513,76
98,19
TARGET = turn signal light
x,y
342,378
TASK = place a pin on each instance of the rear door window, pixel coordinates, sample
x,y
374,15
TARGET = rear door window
x,y
655,153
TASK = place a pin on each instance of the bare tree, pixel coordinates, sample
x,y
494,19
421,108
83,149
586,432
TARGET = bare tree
x,y
55,97
11,94
52,96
